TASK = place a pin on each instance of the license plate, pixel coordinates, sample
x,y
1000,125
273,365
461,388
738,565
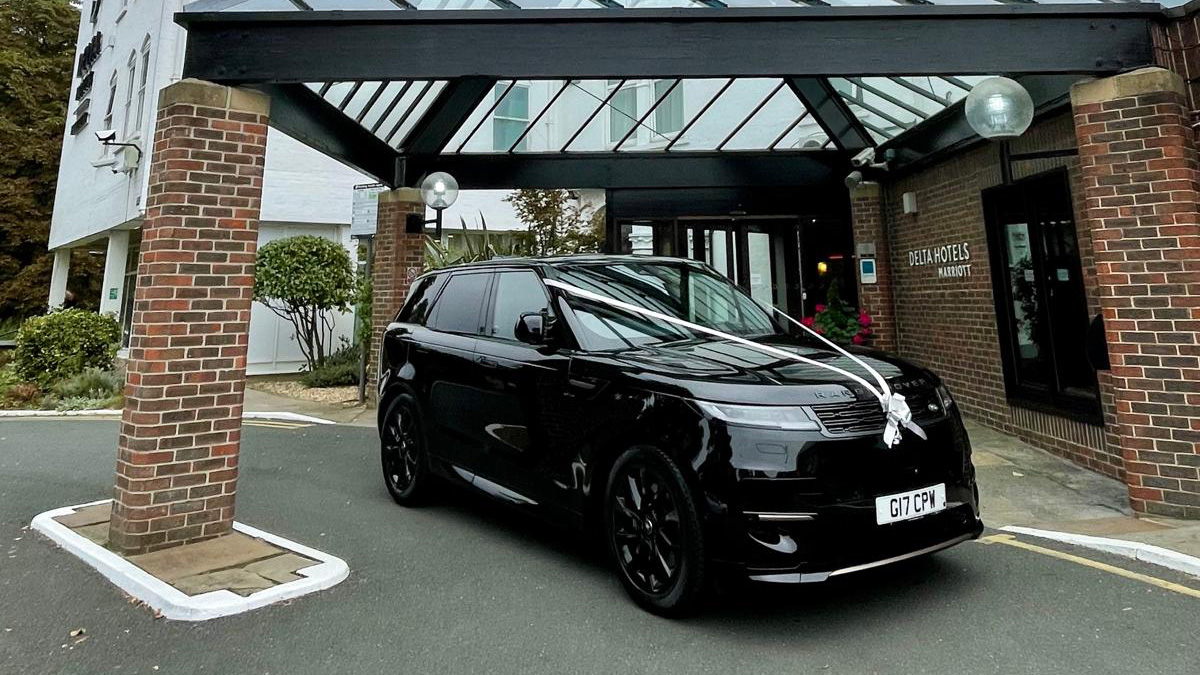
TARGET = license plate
x,y
909,505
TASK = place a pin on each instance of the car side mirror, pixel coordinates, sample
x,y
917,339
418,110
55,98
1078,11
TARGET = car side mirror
x,y
531,328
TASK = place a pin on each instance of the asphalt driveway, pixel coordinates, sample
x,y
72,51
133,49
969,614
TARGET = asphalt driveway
x,y
466,587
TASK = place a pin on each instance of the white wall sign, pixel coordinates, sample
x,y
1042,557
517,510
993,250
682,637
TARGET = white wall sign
x,y
951,260
366,209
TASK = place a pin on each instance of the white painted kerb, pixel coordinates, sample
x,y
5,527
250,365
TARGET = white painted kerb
x,y
288,416
175,604
1135,550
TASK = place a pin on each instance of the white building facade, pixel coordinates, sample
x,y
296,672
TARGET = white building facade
x,y
128,50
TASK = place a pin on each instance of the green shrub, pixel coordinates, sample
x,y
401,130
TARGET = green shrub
x,y
91,383
337,375
86,403
21,396
65,343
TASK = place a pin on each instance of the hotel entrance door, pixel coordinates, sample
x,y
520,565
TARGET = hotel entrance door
x,y
762,255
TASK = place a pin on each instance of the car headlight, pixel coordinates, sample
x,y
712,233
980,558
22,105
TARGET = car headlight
x,y
944,398
792,418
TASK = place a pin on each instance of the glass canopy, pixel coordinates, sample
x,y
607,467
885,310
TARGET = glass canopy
x,y
368,5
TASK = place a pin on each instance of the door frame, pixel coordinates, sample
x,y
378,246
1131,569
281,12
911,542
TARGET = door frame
x,y
785,228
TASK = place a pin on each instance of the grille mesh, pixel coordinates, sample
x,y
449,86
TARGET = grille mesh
x,y
866,416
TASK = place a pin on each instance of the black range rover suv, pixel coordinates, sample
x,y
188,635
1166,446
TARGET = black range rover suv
x,y
690,454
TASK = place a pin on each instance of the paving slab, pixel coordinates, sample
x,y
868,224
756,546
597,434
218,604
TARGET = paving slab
x,y
90,515
281,568
239,581
230,550
97,533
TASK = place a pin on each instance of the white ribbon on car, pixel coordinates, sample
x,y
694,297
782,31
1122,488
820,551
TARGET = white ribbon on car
x,y
894,407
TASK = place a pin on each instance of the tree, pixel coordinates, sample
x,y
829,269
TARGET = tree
x,y
37,54
557,224
305,280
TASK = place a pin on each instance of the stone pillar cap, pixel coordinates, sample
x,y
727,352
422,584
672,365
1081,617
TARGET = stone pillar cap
x,y
204,93
1134,83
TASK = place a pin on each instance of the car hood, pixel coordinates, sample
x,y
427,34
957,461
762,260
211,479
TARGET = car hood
x,y
727,371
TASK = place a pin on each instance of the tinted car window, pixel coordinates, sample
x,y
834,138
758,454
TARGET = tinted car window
x,y
416,309
457,309
517,293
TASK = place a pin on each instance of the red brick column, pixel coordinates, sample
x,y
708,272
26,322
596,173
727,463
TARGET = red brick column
x,y
399,258
867,221
177,456
1140,181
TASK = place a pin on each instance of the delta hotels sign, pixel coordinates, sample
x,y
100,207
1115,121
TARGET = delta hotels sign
x,y
952,260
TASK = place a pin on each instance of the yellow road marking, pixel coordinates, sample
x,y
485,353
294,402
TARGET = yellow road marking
x,y
274,424
1010,540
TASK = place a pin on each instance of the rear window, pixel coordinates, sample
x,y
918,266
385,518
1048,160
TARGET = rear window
x,y
458,307
420,300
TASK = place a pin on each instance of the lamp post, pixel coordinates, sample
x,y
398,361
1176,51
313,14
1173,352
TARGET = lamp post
x,y
999,109
439,191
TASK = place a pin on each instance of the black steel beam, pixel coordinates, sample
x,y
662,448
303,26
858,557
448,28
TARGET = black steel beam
x,y
633,169
948,131
302,114
449,111
245,47
830,111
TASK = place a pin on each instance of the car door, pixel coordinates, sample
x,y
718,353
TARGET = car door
x,y
522,387
445,348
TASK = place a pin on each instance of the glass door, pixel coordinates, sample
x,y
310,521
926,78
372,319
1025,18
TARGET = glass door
x,y
760,255
1041,306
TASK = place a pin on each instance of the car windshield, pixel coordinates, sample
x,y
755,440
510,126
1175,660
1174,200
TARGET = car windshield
x,y
680,290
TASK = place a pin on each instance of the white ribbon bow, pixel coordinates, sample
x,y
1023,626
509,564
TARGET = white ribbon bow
x,y
893,404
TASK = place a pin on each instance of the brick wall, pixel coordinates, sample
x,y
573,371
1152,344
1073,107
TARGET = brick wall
x,y
177,457
398,259
1140,180
867,222
949,324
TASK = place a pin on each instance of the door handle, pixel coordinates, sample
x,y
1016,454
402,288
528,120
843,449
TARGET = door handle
x,y
486,362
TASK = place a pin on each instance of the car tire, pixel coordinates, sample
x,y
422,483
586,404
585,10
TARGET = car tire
x,y
653,531
402,451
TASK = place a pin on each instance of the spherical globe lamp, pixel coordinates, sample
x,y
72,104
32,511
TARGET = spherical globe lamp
x,y
999,108
439,190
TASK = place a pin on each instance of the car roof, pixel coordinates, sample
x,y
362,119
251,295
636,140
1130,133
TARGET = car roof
x,y
565,261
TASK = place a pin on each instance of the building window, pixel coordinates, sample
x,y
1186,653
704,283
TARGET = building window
x,y
622,111
112,99
1041,308
510,118
141,97
668,116
131,70
95,13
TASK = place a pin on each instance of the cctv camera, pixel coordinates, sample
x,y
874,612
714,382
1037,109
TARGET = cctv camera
x,y
854,179
864,158
106,135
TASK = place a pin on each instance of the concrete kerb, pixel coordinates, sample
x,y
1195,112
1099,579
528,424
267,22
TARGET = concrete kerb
x,y
284,416
1134,550
175,604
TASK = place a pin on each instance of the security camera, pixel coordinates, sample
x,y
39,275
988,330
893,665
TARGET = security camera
x,y
854,179
106,135
864,158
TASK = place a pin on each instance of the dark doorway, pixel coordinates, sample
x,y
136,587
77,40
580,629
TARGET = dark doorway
x,y
1041,307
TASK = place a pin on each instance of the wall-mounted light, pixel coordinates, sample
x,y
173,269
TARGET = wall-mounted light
x,y
822,268
999,108
439,191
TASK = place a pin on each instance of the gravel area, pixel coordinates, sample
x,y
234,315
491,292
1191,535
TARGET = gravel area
x,y
293,389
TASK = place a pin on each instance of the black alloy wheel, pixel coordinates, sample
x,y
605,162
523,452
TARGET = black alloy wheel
x,y
653,530
402,450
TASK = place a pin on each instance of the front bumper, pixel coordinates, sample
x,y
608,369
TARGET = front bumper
x,y
818,521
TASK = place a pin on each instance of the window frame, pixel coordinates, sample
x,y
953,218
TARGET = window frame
x,y
489,314
131,71
144,83
1052,399
504,92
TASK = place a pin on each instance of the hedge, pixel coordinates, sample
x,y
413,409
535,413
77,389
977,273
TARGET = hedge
x,y
65,343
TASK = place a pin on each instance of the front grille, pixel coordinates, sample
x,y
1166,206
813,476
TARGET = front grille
x,y
866,416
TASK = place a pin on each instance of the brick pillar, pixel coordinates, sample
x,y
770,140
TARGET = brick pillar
x,y
867,221
399,258
1140,175
177,455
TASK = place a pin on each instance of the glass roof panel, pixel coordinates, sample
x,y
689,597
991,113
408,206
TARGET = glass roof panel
x,y
646,4
769,123
351,5
724,114
426,96
557,4
402,5
454,4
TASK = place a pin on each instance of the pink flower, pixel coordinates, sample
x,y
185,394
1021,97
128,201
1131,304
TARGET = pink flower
x,y
820,308
857,339
864,331
807,321
864,319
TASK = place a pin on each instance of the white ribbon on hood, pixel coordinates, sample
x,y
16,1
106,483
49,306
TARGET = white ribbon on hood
x,y
894,407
